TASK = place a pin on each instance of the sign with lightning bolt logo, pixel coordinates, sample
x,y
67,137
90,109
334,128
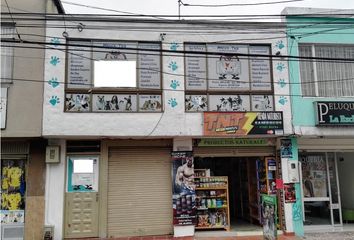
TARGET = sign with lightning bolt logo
x,y
243,123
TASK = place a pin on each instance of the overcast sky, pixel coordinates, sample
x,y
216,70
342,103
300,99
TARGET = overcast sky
x,y
170,7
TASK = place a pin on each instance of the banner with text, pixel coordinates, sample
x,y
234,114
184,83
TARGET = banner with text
x,y
242,123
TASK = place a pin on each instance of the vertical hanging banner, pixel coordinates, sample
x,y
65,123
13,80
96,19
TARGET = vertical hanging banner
x,y
269,216
184,209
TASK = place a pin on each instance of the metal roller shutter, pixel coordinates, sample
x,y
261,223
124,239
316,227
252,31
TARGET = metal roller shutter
x,y
139,192
233,151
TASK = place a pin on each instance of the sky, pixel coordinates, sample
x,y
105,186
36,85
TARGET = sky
x,y
170,7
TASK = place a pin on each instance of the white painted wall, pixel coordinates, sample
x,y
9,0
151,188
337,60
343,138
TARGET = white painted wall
x,y
173,121
54,193
346,179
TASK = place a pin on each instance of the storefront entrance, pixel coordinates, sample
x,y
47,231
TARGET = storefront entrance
x,y
320,189
243,185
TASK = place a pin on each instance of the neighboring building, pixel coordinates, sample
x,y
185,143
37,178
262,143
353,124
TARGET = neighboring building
x,y
322,93
22,148
126,92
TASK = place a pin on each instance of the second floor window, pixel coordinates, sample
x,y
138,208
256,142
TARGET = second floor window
x,y
322,78
113,76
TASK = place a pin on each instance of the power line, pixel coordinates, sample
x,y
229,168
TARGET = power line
x,y
191,92
281,57
238,4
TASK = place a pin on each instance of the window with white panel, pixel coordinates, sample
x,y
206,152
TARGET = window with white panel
x,y
7,32
327,78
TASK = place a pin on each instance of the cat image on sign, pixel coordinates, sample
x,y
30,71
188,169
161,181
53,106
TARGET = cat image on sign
x,y
228,67
115,55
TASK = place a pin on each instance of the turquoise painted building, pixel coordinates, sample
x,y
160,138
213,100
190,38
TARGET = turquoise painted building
x,y
321,78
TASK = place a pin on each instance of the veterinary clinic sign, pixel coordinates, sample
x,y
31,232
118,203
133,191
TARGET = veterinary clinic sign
x,y
242,123
334,113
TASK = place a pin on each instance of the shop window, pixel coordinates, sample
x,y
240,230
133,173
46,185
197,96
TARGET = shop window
x,y
13,191
113,76
227,79
327,78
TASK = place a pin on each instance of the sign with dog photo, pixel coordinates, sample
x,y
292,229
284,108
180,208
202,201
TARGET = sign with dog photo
x,y
150,103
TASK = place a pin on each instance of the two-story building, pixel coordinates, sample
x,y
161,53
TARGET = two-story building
x,y
322,98
123,94
22,147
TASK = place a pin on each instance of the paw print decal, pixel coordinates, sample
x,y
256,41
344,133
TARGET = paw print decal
x,y
281,83
55,41
280,67
172,102
174,84
283,100
279,44
173,66
53,82
174,46
54,60
54,100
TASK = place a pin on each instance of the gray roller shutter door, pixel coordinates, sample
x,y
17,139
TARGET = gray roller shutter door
x,y
139,192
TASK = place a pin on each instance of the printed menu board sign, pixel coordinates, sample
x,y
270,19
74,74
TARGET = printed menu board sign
x,y
260,68
79,65
149,66
195,67
228,71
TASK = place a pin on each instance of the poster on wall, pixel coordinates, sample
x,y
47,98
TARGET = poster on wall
x,y
12,216
289,193
114,103
149,66
269,216
79,64
13,185
150,103
262,103
314,176
230,103
195,67
184,208
77,102
286,149
242,123
196,103
260,68
228,71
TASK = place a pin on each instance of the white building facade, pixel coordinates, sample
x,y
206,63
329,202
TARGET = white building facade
x,y
215,90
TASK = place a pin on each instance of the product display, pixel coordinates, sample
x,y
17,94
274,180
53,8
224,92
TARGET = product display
x,y
212,202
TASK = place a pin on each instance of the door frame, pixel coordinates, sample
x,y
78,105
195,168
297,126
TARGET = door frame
x,y
324,199
97,190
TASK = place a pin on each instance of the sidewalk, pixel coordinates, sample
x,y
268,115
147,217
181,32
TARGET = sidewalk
x,y
309,236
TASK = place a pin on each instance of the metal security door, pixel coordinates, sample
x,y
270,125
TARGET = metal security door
x,y
81,197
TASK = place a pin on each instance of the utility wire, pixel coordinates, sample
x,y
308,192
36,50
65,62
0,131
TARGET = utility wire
x,y
281,57
192,92
18,35
238,4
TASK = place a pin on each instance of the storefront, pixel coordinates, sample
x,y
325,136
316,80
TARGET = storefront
x,y
118,188
247,168
326,176
14,160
